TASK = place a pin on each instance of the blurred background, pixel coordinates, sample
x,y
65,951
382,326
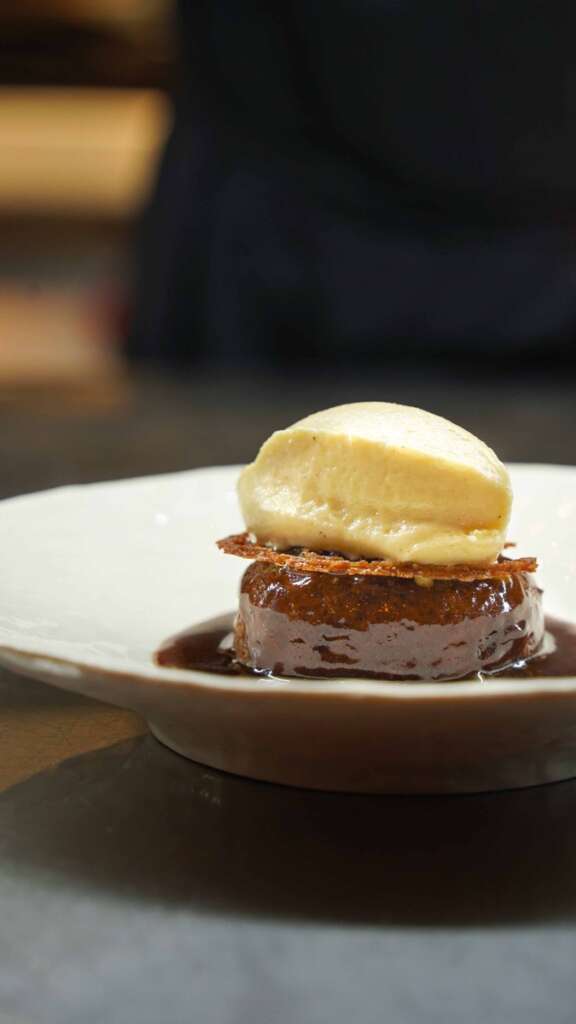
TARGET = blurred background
x,y
216,218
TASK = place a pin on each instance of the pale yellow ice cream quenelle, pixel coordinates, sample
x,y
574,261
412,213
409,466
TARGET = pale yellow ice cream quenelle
x,y
379,480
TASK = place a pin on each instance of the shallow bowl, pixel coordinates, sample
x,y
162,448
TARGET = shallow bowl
x,y
94,578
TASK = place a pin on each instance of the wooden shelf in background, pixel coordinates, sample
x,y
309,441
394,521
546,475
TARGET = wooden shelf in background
x,y
54,351
78,151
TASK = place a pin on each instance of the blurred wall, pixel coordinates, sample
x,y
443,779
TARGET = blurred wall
x,y
83,112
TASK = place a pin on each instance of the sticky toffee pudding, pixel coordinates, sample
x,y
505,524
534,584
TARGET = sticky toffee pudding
x,y
415,586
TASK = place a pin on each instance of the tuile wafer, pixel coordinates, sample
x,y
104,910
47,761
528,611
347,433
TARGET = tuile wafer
x,y
241,545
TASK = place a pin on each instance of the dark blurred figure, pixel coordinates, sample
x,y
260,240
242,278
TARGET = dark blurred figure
x,y
364,176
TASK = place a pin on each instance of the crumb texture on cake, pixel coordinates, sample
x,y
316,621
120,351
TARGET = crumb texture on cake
x,y
315,624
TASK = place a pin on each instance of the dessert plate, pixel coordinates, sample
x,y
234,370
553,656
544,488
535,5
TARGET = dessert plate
x,y
93,579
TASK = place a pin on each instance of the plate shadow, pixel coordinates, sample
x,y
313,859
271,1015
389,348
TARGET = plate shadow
x,y
141,822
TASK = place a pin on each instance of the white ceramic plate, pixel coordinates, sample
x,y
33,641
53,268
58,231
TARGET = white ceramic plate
x,y
94,578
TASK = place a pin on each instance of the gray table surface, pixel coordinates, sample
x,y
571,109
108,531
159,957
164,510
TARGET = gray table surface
x,y
138,887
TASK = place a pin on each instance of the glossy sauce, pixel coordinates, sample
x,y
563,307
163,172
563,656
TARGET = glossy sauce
x,y
327,625
207,647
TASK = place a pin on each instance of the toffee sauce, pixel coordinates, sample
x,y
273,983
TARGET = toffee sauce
x,y
208,647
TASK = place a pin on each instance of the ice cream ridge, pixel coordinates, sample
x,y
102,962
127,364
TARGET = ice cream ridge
x,y
377,534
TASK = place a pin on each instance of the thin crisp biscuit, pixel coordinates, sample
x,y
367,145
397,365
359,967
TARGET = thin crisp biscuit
x,y
312,561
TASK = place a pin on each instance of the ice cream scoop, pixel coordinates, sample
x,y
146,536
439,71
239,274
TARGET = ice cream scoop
x,y
379,480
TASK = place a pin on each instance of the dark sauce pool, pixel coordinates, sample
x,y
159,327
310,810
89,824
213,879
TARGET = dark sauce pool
x,y
207,647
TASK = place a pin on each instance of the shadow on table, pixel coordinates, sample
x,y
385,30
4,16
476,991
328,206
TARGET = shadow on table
x,y
138,821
